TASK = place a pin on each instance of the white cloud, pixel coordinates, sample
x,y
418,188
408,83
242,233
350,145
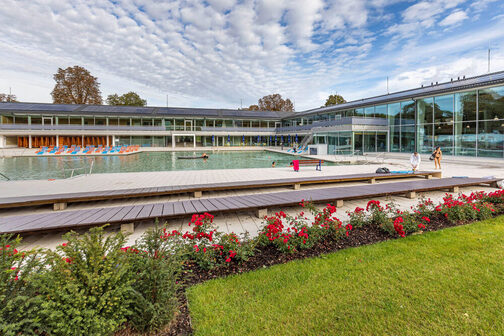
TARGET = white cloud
x,y
454,18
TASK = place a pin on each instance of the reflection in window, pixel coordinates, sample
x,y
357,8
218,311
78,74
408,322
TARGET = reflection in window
x,y
424,138
381,111
465,138
393,113
425,111
408,113
443,109
465,106
491,103
490,138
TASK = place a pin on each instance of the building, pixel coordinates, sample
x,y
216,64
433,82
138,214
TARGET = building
x,y
464,116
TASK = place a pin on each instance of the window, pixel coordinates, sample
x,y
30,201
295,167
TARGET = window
x,y
408,113
369,112
381,111
465,138
393,113
73,121
491,103
443,137
465,106
490,138
443,109
424,138
425,111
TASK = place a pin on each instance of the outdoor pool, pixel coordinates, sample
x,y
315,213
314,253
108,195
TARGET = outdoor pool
x,y
52,167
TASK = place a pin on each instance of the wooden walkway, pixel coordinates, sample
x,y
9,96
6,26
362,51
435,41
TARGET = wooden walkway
x,y
60,201
65,220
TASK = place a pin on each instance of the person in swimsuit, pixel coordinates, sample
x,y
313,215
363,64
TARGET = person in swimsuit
x,y
438,155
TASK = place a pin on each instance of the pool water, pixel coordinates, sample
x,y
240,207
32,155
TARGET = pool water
x,y
51,167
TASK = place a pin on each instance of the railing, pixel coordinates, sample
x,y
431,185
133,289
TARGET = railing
x,y
237,129
330,123
80,127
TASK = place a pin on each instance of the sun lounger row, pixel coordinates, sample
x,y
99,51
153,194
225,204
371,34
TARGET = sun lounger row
x,y
78,150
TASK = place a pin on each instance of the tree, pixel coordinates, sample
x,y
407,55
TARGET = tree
x,y
275,102
253,108
7,98
75,85
335,99
131,99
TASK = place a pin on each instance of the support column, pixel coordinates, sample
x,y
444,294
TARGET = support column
x,y
411,194
261,213
29,141
83,141
127,228
57,140
338,203
454,189
173,140
194,141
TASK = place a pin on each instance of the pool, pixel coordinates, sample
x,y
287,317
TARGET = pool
x,y
51,167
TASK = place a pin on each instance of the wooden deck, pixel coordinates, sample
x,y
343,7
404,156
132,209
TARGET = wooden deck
x,y
60,201
65,220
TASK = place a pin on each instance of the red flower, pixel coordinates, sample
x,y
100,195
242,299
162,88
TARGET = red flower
x,y
427,219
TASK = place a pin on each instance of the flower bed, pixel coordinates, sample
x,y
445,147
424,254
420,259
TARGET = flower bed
x,y
94,284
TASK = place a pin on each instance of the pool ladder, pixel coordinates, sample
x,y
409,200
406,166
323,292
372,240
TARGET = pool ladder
x,y
3,175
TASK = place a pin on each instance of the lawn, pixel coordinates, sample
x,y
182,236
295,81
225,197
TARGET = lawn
x,y
449,282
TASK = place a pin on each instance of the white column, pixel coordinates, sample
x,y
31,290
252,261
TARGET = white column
x,y
194,142
82,141
173,140
57,140
29,141
108,142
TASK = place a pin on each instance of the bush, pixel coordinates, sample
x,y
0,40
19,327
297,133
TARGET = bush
x,y
18,300
86,287
206,246
299,234
156,265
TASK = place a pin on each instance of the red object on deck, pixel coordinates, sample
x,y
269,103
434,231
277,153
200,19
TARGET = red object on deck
x,y
295,163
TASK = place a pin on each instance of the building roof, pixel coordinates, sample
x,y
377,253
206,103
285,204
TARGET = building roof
x,y
494,78
72,109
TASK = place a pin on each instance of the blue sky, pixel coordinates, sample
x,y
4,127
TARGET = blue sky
x,y
217,53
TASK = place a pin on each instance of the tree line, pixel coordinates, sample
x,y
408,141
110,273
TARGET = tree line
x,y
76,85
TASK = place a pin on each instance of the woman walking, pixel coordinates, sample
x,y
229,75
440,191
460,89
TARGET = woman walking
x,y
438,155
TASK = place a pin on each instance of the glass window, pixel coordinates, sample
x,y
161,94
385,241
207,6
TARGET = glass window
x,y
425,111
199,123
424,138
408,139
34,120
465,138
73,121
219,123
349,113
113,121
136,122
158,122
381,111
443,109
465,106
8,119
408,113
146,122
491,103
246,123
369,112
228,123
24,119
88,121
369,142
359,112
443,137
125,122
395,139
255,124
490,138
393,113
179,124
100,121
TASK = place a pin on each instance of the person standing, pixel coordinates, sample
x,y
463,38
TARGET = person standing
x,y
415,161
438,155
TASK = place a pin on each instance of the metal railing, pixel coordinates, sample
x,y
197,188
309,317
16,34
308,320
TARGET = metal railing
x,y
80,127
5,176
330,123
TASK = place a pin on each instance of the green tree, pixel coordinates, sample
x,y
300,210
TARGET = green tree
x,y
131,99
7,98
274,102
335,99
75,85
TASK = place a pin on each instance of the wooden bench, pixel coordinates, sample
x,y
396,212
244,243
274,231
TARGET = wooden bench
x,y
316,163
126,216
60,201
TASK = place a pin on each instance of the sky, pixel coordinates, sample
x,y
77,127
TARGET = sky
x,y
230,53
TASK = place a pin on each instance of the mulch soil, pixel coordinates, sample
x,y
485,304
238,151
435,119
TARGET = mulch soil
x,y
269,256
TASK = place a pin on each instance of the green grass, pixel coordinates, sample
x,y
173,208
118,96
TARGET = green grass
x,y
449,282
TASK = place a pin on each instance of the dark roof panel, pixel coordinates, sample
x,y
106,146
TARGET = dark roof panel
x,y
37,107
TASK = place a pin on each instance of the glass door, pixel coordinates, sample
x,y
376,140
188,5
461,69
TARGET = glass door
x,y
358,143
381,142
370,142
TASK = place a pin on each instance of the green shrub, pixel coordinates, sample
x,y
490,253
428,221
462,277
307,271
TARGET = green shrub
x,y
86,287
156,265
18,300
